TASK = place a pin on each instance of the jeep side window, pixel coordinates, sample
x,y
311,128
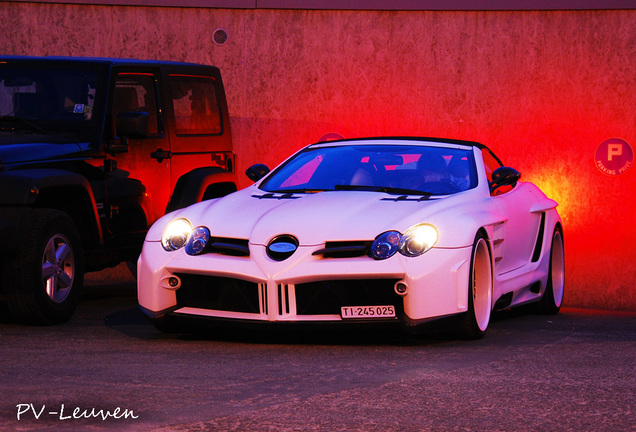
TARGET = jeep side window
x,y
195,105
136,92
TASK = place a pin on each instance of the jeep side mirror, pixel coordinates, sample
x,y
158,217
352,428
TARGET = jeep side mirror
x,y
504,176
257,172
130,124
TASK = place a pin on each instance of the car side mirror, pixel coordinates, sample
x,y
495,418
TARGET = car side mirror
x,y
504,176
130,124
257,172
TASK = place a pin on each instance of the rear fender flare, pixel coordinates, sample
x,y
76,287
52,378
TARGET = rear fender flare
x,y
191,187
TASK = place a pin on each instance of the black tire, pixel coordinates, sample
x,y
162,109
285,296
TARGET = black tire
x,y
48,272
475,321
552,298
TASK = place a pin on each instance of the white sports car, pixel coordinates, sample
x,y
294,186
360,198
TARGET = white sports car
x,y
390,230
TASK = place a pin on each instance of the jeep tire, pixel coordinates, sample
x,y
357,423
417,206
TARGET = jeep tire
x,y
49,270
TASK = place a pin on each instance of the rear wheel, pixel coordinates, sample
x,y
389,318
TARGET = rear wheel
x,y
474,322
552,298
49,270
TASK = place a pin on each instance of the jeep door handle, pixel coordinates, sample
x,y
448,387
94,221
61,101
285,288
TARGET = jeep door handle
x,y
160,155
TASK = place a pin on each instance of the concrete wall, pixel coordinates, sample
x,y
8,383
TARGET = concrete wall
x,y
543,89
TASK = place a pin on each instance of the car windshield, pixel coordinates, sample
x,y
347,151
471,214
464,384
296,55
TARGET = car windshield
x,y
395,169
38,97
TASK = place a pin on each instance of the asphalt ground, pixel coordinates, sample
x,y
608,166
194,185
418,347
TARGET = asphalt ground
x,y
109,369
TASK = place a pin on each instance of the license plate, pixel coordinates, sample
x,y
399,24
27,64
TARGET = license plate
x,y
367,312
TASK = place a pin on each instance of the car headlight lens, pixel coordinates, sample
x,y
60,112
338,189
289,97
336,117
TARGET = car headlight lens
x,y
198,241
414,242
385,245
418,239
176,235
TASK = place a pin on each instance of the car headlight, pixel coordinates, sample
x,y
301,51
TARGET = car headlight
x,y
198,241
414,242
385,245
418,240
176,234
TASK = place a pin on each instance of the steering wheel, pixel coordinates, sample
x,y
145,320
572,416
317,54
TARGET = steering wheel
x,y
441,186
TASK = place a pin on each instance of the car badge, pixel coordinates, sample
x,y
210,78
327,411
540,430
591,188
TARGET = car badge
x,y
282,247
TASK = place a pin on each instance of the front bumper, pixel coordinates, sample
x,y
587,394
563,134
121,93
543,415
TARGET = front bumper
x,y
302,289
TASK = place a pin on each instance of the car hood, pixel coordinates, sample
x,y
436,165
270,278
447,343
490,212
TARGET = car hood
x,y
312,218
16,154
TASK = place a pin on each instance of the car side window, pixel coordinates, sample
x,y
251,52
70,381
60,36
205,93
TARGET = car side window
x,y
136,92
196,106
490,163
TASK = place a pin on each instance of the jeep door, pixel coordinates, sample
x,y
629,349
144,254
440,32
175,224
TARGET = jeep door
x,y
198,121
138,188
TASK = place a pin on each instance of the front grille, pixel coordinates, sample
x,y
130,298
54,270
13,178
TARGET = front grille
x,y
327,297
218,293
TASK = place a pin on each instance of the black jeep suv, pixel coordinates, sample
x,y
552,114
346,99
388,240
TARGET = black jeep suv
x,y
92,152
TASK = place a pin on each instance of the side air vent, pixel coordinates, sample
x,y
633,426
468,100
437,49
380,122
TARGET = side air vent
x,y
503,302
537,246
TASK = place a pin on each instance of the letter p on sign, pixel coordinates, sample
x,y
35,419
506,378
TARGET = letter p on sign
x,y
614,150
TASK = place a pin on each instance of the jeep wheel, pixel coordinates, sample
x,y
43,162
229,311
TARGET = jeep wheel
x,y
49,270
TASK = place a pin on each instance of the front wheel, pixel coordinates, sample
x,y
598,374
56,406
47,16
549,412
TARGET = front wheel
x,y
474,322
552,298
49,270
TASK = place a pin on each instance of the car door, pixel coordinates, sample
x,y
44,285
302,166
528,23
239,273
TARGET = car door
x,y
514,240
138,185
198,121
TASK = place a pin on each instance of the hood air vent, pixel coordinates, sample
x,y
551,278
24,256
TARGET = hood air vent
x,y
276,196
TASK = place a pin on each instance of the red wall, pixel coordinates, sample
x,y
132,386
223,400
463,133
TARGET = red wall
x,y
542,89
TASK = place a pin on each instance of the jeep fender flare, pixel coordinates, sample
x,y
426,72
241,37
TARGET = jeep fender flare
x,y
201,183
51,188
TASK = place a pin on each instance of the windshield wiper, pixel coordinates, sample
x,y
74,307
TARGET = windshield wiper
x,y
299,190
385,189
11,119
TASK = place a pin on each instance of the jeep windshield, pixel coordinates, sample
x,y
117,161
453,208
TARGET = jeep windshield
x,y
50,98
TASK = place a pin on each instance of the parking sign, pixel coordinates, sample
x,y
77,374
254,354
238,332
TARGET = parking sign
x,y
614,156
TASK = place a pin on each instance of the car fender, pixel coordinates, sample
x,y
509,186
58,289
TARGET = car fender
x,y
26,188
460,231
191,187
